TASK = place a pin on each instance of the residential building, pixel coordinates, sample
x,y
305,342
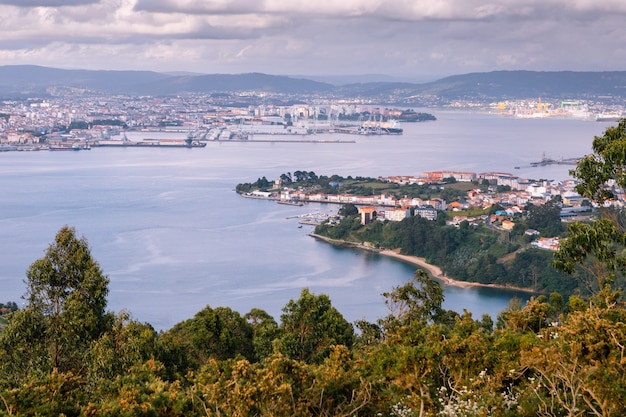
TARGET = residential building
x,y
367,214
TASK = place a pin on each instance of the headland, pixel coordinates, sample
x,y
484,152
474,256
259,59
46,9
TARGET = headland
x,y
433,270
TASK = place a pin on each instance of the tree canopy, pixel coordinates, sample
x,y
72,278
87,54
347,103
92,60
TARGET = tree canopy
x,y
310,326
598,248
548,357
65,310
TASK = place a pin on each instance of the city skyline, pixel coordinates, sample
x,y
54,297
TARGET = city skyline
x,y
405,40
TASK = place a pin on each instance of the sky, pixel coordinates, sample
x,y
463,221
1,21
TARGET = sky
x,y
410,40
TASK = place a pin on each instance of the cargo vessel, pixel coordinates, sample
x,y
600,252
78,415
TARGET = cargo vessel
x,y
153,143
608,117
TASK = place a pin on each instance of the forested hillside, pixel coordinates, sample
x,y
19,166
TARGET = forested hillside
x,y
26,80
466,253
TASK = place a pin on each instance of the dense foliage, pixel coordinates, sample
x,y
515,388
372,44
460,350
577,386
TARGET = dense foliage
x,y
63,354
336,184
545,358
467,253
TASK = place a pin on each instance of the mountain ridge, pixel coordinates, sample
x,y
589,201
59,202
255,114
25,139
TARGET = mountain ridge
x,y
29,80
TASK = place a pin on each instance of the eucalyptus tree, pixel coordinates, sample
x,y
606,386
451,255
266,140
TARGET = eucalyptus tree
x,y
66,298
310,327
264,331
419,299
212,334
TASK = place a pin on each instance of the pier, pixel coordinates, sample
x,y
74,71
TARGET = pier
x,y
548,161
293,140
315,218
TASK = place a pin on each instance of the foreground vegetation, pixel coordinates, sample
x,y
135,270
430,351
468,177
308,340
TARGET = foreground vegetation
x,y
64,354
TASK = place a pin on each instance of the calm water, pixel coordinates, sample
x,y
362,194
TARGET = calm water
x,y
168,229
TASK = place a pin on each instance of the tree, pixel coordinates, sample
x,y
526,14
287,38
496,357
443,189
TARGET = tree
x,y
418,300
265,330
310,326
218,333
348,209
599,247
286,178
579,364
546,218
138,392
65,311
263,183
11,305
300,176
606,163
495,208
125,345
594,249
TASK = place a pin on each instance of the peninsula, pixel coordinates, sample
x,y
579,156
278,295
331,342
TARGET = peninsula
x,y
466,229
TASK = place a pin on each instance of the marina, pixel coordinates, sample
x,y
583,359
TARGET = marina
x,y
313,219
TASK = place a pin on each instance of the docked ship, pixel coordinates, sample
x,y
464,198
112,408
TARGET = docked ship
x,y
291,202
189,142
377,127
72,147
608,117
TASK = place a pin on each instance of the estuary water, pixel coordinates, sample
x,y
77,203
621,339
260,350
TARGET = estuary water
x,y
173,237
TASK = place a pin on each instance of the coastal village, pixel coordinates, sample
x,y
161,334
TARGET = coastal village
x,y
510,192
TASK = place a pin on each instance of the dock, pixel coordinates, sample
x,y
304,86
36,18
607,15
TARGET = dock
x,y
315,218
548,161
286,141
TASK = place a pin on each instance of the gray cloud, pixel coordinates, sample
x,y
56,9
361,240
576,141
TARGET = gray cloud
x,y
47,3
200,6
411,10
402,37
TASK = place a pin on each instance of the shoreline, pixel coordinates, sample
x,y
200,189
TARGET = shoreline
x,y
433,270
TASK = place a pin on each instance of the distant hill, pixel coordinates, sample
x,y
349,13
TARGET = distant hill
x,y
525,84
238,82
21,80
30,80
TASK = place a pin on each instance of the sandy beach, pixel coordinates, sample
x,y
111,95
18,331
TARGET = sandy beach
x,y
433,270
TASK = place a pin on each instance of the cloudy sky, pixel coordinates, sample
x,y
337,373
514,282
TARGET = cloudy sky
x,y
414,40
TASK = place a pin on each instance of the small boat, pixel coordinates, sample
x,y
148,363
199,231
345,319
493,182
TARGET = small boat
x,y
291,202
62,148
